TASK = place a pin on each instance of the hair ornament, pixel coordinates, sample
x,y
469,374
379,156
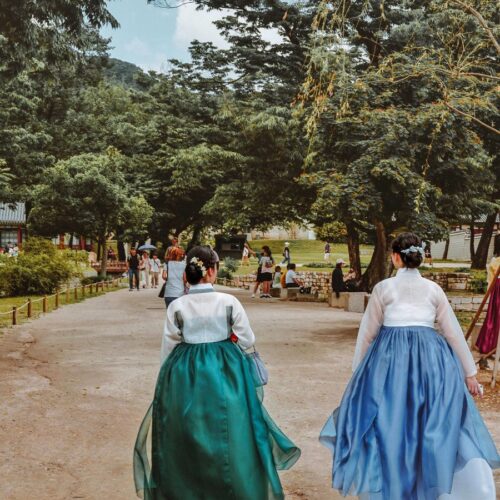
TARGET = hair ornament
x,y
414,249
199,263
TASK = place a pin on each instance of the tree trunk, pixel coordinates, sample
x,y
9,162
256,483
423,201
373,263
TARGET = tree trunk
x,y
481,254
104,256
195,238
471,242
377,269
446,248
121,250
353,249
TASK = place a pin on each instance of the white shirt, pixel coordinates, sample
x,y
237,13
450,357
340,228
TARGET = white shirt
x,y
408,299
291,275
205,315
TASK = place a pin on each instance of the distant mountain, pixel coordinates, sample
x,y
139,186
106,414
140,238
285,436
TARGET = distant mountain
x,y
122,73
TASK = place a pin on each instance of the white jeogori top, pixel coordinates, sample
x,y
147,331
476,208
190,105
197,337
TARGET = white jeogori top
x,y
202,316
408,299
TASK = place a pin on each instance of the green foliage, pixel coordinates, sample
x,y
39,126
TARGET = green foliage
x,y
225,273
39,246
230,264
333,232
41,269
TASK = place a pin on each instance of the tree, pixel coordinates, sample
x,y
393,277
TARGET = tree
x,y
87,194
389,150
40,34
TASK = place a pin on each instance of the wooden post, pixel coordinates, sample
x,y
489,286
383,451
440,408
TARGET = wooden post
x,y
107,285
76,293
57,299
14,316
67,295
83,291
44,304
30,308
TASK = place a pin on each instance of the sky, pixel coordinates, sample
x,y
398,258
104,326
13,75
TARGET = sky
x,y
149,36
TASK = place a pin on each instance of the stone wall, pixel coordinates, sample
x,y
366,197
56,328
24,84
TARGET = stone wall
x,y
320,284
450,281
318,281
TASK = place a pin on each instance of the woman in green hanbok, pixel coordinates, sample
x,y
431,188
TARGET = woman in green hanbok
x,y
211,437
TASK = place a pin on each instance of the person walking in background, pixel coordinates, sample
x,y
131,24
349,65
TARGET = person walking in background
x,y
174,244
173,274
338,283
245,258
487,339
407,427
258,280
145,268
212,438
266,270
428,254
287,259
155,271
133,269
327,252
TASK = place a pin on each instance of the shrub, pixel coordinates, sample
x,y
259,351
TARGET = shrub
x,y
39,269
230,264
88,280
225,273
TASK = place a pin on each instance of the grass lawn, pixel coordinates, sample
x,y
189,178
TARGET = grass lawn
x,y
311,251
7,303
304,252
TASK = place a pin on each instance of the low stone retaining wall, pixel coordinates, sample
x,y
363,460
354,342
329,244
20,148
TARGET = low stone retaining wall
x,y
450,281
320,282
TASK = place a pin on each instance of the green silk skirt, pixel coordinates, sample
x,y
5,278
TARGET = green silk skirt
x,y
211,437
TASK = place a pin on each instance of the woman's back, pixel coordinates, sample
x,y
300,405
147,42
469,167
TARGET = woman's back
x,y
175,278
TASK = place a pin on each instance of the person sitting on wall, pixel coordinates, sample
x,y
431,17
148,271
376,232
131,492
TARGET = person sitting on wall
x,y
292,281
338,284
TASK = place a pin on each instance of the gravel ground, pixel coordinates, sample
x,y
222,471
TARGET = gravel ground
x,y
77,382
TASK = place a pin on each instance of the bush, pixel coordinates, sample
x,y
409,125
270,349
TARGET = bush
x,y
230,264
479,285
90,280
225,273
39,269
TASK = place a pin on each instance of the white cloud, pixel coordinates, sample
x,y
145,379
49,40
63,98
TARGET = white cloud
x,y
192,24
145,56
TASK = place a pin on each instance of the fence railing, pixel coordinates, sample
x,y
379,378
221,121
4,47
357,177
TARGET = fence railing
x,y
43,305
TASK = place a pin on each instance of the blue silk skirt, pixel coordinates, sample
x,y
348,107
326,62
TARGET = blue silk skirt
x,y
406,423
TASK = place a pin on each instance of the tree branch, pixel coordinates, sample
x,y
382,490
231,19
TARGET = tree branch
x,y
481,20
473,118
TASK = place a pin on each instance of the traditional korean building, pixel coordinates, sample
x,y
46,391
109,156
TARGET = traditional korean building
x,y
12,223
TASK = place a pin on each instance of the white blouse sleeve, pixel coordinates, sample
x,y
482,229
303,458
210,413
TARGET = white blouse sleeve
x,y
241,326
171,335
370,325
453,333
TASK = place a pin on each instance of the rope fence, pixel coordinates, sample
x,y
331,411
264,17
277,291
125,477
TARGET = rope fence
x,y
34,307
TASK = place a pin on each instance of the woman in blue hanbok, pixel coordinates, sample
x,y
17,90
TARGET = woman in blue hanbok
x,y
211,438
407,427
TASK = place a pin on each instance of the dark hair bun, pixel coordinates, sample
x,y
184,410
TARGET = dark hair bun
x,y
404,241
205,258
194,273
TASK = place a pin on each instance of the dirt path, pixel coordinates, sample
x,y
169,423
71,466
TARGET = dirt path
x,y
76,383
